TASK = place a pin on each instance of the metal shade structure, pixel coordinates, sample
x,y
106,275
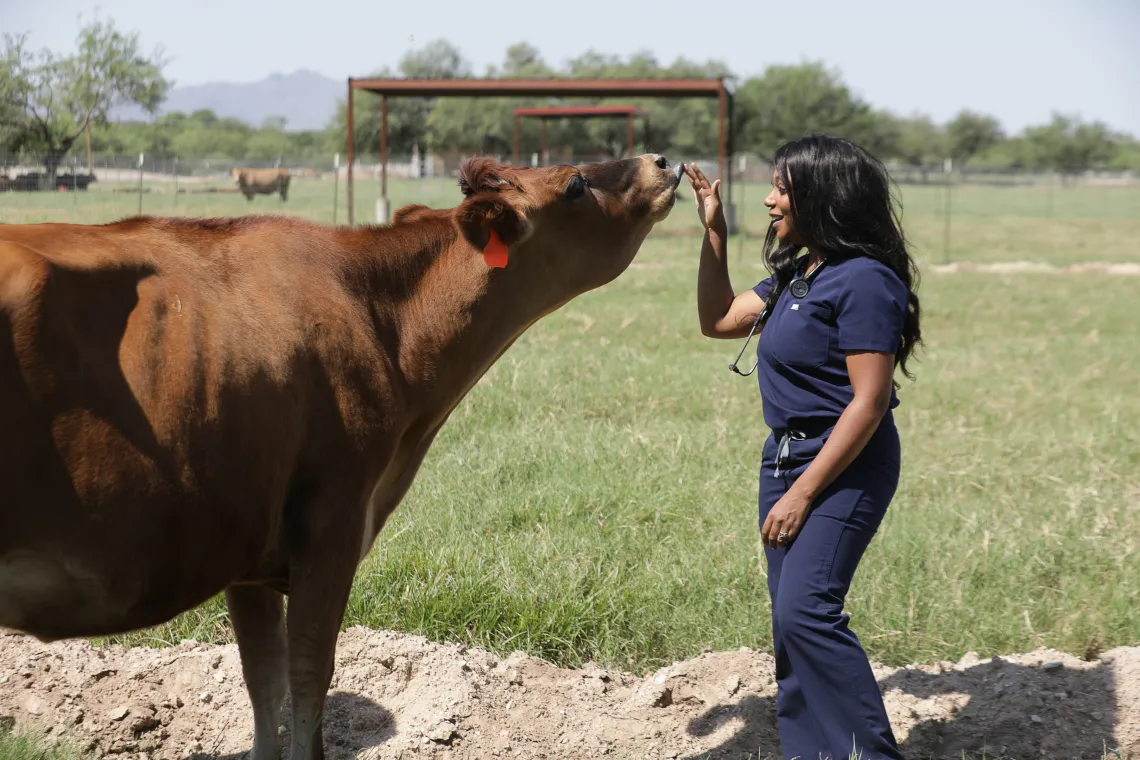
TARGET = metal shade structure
x,y
579,112
554,88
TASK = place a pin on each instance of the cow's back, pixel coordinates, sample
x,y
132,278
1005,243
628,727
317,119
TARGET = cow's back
x,y
157,382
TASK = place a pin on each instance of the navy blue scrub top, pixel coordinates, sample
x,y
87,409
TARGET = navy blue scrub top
x,y
855,304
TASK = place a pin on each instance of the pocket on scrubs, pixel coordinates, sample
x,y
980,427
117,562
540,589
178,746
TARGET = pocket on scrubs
x,y
805,336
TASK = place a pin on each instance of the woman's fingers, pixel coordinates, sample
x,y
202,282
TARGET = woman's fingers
x,y
698,177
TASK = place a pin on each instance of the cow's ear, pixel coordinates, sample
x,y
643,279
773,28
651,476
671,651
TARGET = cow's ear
x,y
480,214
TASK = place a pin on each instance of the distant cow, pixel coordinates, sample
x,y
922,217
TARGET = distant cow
x,y
262,182
193,406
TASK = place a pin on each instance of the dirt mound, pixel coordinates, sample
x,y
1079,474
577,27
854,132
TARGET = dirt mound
x,y
396,696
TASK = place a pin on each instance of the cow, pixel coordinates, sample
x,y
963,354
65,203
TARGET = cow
x,y
263,181
194,407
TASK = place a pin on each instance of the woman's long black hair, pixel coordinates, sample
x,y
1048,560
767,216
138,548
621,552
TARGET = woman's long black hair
x,y
842,206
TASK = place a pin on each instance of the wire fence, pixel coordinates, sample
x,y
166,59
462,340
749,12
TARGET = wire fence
x,y
110,167
955,215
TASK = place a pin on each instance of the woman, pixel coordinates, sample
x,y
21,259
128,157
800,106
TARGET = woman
x,y
834,323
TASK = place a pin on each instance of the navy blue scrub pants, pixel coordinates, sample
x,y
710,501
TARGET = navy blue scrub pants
x,y
828,702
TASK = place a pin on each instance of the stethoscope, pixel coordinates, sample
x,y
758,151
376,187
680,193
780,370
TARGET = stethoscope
x,y
799,288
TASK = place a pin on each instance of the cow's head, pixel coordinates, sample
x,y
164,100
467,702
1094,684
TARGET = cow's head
x,y
568,229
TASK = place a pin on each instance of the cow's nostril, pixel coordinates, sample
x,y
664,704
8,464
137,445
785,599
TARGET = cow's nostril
x,y
662,162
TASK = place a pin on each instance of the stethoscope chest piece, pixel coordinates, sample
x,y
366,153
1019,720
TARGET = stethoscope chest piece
x,y
800,288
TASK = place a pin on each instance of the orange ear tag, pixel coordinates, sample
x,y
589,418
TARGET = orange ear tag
x,y
495,253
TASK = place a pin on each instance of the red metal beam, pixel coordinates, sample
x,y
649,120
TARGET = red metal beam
x,y
664,88
571,112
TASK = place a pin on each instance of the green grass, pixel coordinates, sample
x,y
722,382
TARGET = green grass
x,y
27,744
594,497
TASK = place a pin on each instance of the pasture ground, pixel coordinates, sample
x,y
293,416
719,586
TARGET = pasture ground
x,y
594,498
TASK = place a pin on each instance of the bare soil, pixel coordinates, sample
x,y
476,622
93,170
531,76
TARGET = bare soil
x,y
401,696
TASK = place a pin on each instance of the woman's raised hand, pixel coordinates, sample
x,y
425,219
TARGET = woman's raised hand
x,y
708,199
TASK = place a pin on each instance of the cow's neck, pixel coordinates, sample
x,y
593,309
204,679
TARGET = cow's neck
x,y
453,315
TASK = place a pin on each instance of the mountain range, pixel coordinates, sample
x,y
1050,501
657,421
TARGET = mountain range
x,y
306,100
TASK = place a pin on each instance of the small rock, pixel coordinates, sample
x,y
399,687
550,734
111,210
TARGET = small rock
x,y
216,662
35,706
969,660
220,677
1051,666
1107,659
3,679
1036,718
119,713
1097,716
443,733
205,697
514,677
732,684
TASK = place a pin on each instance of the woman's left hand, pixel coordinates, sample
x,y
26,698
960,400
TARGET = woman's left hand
x,y
787,516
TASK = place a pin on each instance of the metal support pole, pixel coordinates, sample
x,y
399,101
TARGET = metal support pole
x,y
542,150
722,142
384,147
735,224
516,158
348,152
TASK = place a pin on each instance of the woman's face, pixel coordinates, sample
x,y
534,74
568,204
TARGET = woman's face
x,y
779,203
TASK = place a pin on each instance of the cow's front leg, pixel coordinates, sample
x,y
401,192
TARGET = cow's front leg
x,y
258,619
321,570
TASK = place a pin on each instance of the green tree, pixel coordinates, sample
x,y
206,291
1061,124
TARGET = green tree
x,y
1070,146
50,99
407,116
920,142
969,133
787,102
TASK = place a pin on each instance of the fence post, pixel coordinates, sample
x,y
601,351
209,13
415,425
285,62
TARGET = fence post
x,y
140,182
740,218
949,167
336,182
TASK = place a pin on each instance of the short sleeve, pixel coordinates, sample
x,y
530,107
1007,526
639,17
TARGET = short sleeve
x,y
871,310
764,287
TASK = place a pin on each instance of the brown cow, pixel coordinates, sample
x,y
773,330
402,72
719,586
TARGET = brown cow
x,y
263,181
191,406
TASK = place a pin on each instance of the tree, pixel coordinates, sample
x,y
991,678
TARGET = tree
x,y
49,100
1070,146
969,133
787,102
920,142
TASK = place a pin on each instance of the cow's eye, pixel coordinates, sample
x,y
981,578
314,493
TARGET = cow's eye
x,y
575,188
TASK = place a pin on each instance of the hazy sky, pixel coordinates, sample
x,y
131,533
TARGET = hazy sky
x,y
1016,59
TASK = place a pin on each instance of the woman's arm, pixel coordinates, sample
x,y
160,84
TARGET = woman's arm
x,y
722,314
872,374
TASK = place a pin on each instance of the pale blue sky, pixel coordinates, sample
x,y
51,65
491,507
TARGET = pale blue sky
x,y
1015,59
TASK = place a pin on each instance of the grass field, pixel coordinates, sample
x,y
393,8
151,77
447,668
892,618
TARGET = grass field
x,y
595,495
